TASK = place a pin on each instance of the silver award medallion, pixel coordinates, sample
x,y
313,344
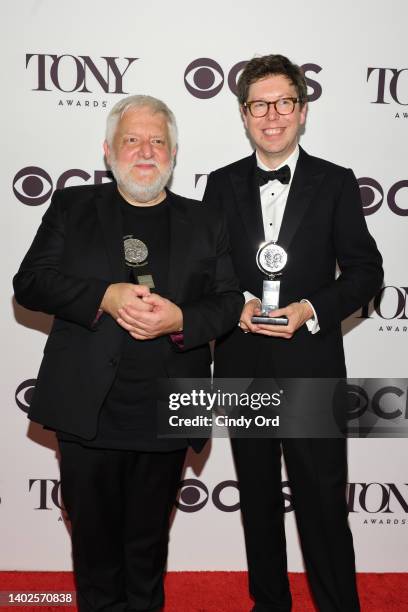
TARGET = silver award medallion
x,y
271,259
136,251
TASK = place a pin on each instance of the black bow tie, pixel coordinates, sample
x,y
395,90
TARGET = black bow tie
x,y
282,175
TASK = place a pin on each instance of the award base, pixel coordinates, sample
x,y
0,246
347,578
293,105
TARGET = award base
x,y
265,320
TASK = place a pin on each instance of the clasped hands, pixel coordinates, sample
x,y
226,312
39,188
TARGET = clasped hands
x,y
143,314
297,312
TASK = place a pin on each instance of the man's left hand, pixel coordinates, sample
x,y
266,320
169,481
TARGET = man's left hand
x,y
297,312
165,318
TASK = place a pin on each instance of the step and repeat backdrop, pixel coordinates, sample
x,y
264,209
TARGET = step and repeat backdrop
x,y
64,66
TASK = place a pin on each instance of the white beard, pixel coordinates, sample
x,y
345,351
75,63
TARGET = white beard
x,y
140,192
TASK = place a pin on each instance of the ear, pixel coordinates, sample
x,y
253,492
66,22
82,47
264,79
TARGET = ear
x,y
244,117
106,151
303,114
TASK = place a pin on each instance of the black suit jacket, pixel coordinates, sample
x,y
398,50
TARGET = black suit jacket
x,y
76,254
323,224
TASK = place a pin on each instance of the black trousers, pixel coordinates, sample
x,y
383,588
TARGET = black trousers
x,y
119,504
317,472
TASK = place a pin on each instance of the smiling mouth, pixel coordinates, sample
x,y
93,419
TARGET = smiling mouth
x,y
273,131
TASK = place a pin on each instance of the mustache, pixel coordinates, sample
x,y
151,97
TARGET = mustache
x,y
143,162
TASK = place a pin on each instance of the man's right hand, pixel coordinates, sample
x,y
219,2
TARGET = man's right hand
x,y
119,295
251,308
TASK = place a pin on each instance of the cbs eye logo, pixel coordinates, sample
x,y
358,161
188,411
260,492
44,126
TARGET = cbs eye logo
x,y
194,495
24,394
204,78
33,185
372,196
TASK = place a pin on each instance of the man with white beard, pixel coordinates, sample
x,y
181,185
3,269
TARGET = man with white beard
x,y
139,280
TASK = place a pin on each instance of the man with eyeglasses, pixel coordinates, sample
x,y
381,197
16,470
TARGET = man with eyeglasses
x,y
309,210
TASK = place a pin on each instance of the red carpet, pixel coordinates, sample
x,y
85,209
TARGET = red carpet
x,y
219,591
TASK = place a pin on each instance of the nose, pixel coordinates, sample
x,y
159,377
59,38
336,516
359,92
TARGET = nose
x,y
146,149
272,114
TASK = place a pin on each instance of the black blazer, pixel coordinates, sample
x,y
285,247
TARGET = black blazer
x,y
323,224
76,253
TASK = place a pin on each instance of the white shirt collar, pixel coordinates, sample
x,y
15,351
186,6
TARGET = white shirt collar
x,y
290,161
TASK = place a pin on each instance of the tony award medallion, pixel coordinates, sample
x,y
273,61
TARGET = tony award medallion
x,y
136,253
271,260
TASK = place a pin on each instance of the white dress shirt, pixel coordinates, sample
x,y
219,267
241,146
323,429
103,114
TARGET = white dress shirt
x,y
274,196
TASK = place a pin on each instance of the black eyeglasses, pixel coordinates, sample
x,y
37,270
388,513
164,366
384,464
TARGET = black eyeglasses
x,y
260,108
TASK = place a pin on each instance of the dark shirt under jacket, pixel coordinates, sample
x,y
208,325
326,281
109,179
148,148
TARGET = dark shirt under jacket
x,y
128,416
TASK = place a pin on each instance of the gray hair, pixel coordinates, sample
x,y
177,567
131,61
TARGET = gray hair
x,y
154,104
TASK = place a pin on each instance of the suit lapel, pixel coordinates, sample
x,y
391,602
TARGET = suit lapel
x,y
304,185
110,220
181,236
246,191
